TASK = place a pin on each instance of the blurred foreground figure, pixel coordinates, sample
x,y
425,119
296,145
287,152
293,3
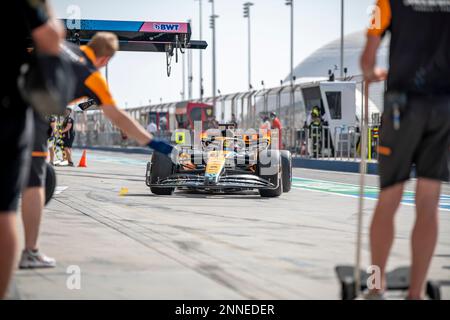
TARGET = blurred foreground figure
x,y
32,20
415,125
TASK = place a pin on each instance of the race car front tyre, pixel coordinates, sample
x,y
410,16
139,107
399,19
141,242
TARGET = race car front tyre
x,y
161,168
269,168
286,164
50,183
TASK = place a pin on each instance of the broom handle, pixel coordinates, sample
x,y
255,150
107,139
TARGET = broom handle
x,y
362,168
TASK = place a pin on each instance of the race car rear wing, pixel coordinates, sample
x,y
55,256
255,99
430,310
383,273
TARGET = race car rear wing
x,y
168,37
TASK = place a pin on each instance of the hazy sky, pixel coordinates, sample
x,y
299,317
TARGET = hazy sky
x,y
135,78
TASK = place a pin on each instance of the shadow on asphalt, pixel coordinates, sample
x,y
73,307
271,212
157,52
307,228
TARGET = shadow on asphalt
x,y
202,195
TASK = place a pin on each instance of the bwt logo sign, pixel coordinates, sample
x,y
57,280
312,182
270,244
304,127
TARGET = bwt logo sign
x,y
166,26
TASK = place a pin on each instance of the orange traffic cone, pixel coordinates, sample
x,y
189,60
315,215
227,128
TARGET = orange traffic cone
x,y
82,163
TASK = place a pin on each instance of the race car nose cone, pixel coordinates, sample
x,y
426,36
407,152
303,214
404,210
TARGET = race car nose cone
x,y
211,180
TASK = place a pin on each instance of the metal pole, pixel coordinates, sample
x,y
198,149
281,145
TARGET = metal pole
x,y
342,39
200,51
247,6
183,90
363,170
291,109
189,67
292,69
249,53
213,27
292,42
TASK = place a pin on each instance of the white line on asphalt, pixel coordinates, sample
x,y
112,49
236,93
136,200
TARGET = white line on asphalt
x,y
60,189
349,195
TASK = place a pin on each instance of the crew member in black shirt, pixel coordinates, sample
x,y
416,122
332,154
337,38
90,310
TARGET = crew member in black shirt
x,y
415,128
31,20
68,135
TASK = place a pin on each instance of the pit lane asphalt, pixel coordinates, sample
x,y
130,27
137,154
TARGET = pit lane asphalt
x,y
200,246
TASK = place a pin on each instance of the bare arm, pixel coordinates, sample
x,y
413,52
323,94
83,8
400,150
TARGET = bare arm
x,y
368,60
122,120
379,24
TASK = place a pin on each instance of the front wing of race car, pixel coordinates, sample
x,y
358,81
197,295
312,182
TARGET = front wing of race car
x,y
202,182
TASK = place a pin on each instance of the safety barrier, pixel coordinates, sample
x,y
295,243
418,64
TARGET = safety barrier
x,y
318,143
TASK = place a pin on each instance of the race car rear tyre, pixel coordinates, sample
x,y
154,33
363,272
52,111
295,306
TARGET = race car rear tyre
x,y
276,178
162,167
50,183
286,164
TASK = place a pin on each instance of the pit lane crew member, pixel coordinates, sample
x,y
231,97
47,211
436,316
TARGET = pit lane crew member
x,y
33,200
32,19
415,125
276,124
51,134
87,59
68,135
90,83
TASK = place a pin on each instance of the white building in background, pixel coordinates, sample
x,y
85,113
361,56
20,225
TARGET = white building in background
x,y
316,66
328,56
